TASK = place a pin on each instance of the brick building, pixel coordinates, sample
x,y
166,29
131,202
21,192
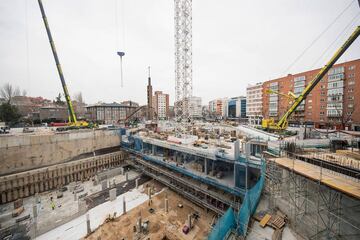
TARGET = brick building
x,y
333,102
160,102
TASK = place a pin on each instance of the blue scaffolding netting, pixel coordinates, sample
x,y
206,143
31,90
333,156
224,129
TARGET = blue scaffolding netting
x,y
240,222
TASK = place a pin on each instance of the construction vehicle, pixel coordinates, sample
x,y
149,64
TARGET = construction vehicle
x,y
269,124
73,122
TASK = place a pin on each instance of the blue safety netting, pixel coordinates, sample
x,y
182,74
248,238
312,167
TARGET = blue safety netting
x,y
250,203
223,225
240,222
138,144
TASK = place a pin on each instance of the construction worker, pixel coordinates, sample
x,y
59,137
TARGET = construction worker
x,y
52,204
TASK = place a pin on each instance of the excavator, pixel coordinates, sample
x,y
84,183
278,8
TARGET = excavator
x,y
282,124
73,122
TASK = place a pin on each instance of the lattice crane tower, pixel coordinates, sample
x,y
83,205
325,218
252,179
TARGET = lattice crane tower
x,y
183,62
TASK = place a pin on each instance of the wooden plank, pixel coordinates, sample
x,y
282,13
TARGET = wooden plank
x,y
334,180
265,220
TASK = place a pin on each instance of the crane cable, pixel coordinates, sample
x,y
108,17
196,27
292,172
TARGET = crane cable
x,y
317,38
346,28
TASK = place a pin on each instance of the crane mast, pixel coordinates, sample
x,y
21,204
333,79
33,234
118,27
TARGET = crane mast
x,y
283,122
72,115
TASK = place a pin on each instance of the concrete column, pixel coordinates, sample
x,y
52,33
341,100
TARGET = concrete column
x,y
75,196
137,183
153,148
127,176
166,205
21,192
46,185
139,224
124,205
36,187
26,191
88,229
32,190
9,196
112,194
189,221
41,186
149,193
49,183
55,182
206,163
3,197
35,212
15,194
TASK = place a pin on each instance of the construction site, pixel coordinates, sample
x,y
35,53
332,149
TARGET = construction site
x,y
183,178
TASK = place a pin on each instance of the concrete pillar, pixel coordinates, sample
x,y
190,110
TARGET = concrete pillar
x,y
75,196
139,224
42,186
32,190
15,194
26,191
189,221
36,187
50,184
137,183
166,205
55,182
46,185
88,228
35,212
149,193
9,196
127,176
112,194
124,205
21,192
206,163
3,197
153,148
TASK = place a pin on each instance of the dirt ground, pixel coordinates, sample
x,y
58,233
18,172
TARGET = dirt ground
x,y
162,225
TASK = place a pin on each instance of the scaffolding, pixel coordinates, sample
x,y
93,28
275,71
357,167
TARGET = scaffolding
x,y
316,211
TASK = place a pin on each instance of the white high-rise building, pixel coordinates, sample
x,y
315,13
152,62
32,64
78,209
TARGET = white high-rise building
x,y
160,103
254,103
195,107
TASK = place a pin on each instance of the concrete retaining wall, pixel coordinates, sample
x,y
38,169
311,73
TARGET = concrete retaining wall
x,y
25,152
28,183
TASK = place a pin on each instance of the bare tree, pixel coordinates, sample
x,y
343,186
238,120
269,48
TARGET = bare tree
x,y
8,92
23,93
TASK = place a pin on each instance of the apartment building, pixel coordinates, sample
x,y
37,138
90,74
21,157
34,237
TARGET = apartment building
x,y
331,103
160,102
218,107
236,107
110,113
254,103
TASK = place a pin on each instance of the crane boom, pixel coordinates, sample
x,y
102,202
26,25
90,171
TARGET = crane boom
x,y
283,122
72,115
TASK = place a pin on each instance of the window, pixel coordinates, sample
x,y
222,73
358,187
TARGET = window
x,y
351,97
352,82
351,67
350,90
309,101
350,105
322,100
336,70
309,107
351,75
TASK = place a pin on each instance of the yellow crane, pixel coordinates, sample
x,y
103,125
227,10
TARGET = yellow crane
x,y
282,124
73,122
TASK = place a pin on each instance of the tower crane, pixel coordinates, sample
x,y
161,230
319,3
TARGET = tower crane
x,y
73,122
283,122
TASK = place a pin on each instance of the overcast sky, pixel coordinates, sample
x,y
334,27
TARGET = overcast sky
x,y
235,43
